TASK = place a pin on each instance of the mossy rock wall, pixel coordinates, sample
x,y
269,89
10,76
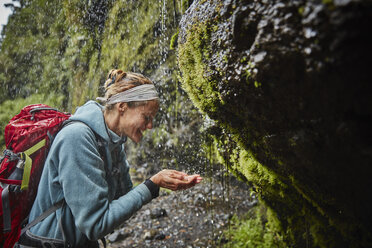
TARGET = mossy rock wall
x,y
60,52
287,85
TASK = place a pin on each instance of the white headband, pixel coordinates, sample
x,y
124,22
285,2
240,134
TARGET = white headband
x,y
143,92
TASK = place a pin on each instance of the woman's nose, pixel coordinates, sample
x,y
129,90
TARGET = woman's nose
x,y
149,125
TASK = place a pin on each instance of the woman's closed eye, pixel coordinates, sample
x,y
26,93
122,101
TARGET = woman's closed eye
x,y
147,118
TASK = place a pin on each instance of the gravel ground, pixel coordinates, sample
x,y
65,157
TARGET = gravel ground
x,y
191,218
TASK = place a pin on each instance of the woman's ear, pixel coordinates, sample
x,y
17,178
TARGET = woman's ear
x,y
122,106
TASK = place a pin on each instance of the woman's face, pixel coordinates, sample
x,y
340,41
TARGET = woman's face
x,y
135,120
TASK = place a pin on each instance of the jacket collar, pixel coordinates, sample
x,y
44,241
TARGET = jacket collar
x,y
91,113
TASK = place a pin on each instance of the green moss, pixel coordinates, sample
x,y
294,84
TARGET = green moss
x,y
301,10
173,42
253,231
257,84
255,172
268,185
327,1
193,55
185,5
226,59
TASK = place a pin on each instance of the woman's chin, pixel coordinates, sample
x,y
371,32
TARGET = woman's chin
x,y
137,138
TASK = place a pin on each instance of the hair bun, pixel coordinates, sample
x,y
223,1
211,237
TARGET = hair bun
x,y
114,76
116,73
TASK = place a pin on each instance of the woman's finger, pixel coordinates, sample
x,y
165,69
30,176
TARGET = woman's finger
x,y
179,175
176,180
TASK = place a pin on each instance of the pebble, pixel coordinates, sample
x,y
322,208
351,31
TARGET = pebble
x,y
158,213
150,234
160,236
117,236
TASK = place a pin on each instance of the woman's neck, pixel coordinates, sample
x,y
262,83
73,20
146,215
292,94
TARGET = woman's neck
x,y
112,120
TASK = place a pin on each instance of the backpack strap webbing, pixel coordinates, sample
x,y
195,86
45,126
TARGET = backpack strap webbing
x,y
41,217
6,210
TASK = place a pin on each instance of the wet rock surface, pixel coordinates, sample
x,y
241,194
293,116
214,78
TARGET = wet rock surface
x,y
189,218
289,82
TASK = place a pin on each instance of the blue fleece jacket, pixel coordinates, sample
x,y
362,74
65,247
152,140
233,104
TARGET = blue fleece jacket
x,y
98,199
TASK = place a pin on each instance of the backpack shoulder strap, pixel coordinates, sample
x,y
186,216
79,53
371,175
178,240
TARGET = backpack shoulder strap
x,y
41,217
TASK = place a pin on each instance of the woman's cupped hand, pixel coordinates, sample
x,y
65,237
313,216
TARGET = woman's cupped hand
x,y
175,180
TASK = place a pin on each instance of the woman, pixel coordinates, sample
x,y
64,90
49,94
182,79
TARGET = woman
x,y
91,179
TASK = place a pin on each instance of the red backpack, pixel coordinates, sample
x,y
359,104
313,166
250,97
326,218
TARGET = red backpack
x,y
28,136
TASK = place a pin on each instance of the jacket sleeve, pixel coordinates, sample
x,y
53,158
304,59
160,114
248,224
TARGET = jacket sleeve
x,y
82,177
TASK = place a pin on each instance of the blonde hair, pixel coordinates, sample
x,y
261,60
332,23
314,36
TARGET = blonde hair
x,y
118,81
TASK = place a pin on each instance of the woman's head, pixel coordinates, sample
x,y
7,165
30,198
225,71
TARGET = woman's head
x,y
131,103
119,81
